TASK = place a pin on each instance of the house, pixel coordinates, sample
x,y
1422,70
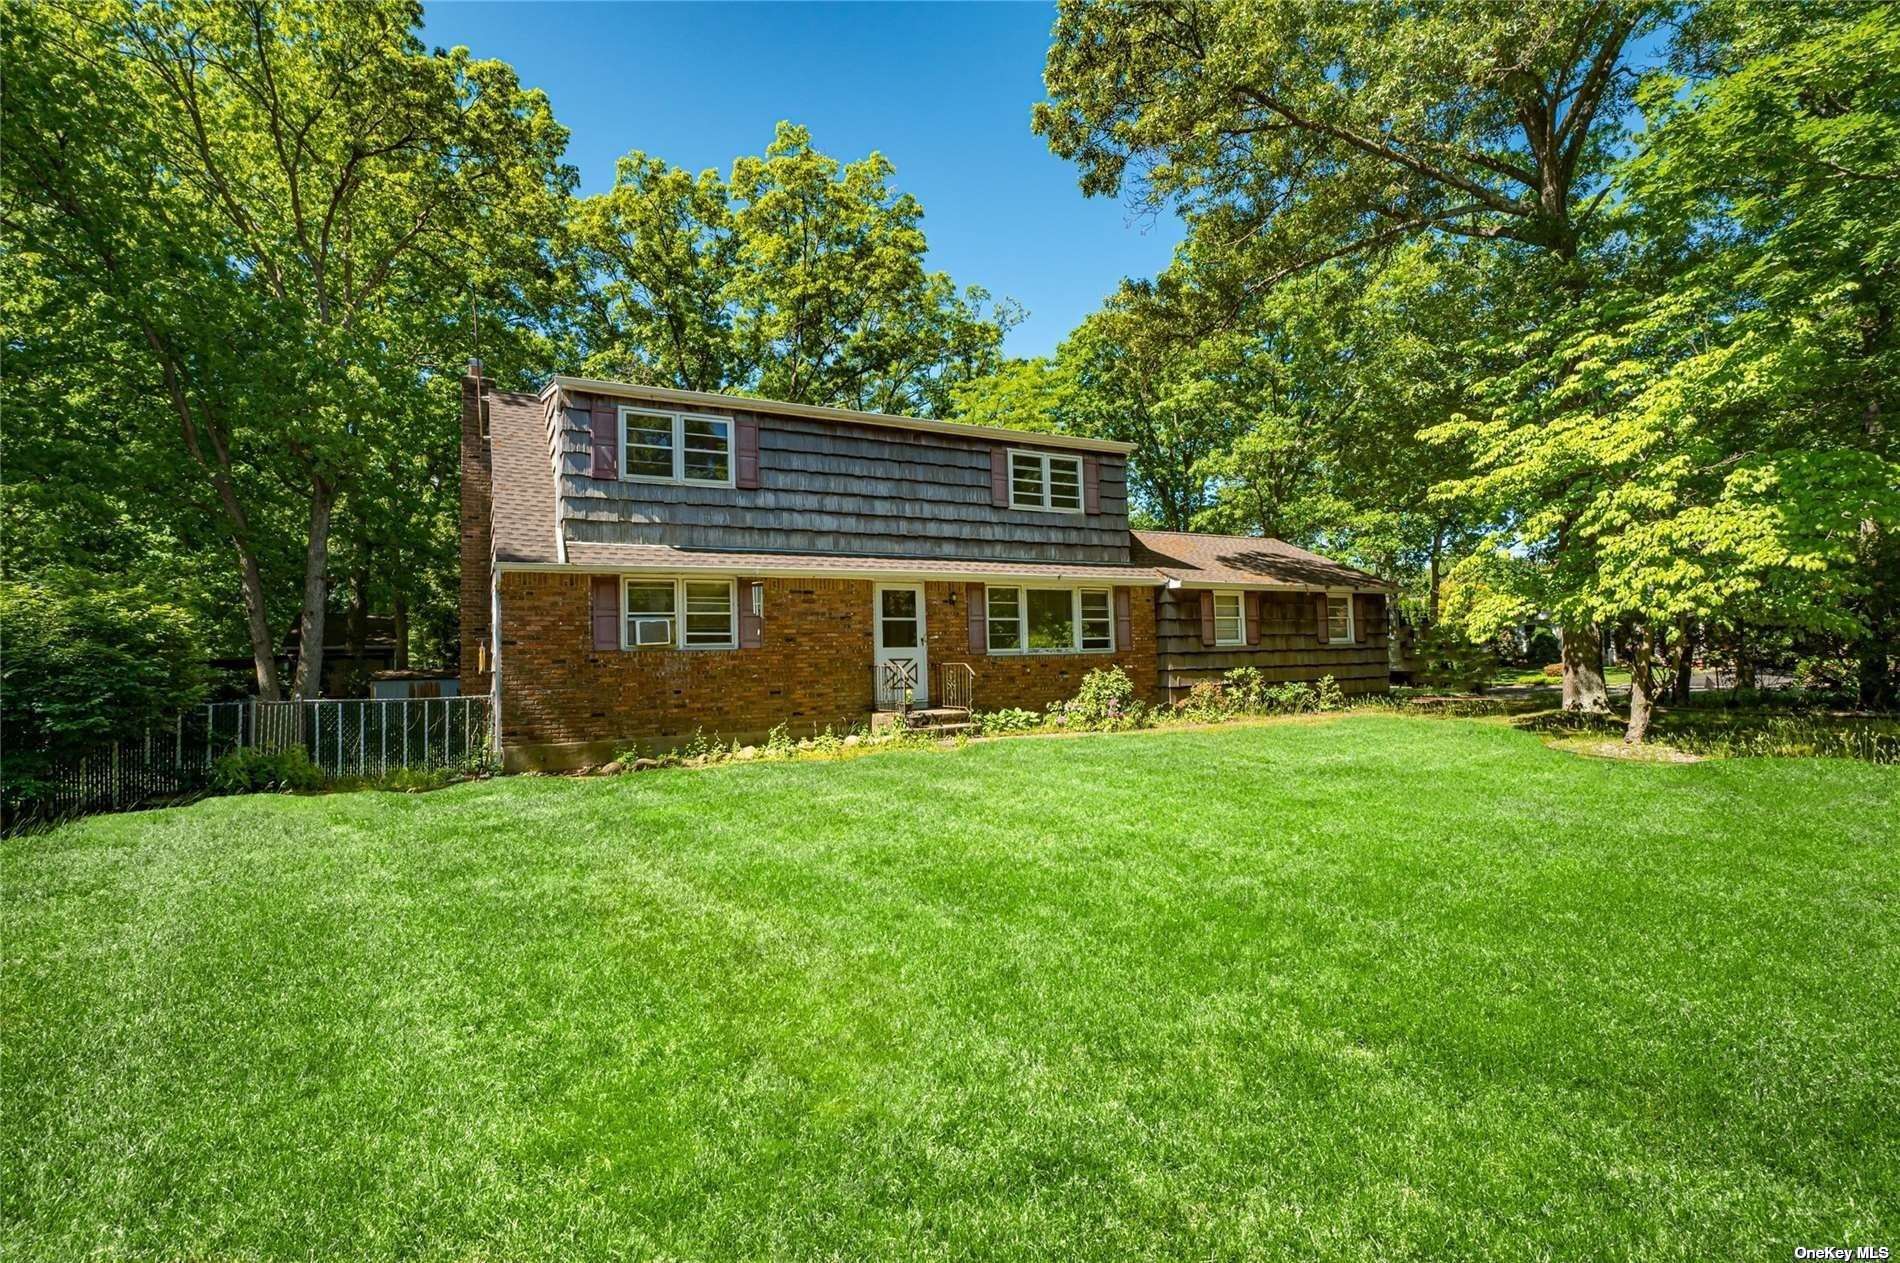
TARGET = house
x,y
641,563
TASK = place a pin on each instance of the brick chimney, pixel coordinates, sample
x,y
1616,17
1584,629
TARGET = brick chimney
x,y
476,560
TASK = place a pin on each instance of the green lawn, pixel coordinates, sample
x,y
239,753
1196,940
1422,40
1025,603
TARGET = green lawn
x,y
1372,987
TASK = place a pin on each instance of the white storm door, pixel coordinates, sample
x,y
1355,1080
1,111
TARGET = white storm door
x,y
897,612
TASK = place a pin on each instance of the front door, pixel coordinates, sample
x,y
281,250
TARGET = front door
x,y
898,613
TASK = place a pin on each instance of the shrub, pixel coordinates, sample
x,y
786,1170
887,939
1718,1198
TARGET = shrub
x,y
248,771
1245,689
1327,695
85,664
779,743
996,723
1205,703
1448,661
1543,649
1291,698
1106,700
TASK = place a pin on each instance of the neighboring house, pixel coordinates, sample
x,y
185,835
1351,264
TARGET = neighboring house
x,y
640,564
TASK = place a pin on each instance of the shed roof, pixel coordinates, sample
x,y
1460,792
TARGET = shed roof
x,y
1242,561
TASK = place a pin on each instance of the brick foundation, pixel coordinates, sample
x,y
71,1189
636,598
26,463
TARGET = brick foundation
x,y
563,702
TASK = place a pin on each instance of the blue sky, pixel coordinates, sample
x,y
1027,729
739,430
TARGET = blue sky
x,y
944,90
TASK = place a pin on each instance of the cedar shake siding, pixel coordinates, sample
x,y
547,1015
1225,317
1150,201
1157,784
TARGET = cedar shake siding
x,y
826,486
1283,640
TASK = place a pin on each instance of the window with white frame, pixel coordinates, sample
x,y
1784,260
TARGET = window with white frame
x,y
1230,619
712,615
1098,626
651,606
1005,619
1038,480
1049,620
1338,617
675,447
680,613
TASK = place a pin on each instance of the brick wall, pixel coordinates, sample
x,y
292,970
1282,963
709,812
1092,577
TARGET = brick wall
x,y
1033,681
813,669
475,555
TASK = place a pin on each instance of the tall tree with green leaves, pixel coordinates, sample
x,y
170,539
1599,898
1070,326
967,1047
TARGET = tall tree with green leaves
x,y
1296,135
800,278
287,206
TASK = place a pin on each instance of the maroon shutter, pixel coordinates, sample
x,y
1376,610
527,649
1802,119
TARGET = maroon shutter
x,y
605,599
745,458
999,477
1091,485
1124,627
606,439
1359,609
751,626
1253,618
1207,618
973,595
1320,606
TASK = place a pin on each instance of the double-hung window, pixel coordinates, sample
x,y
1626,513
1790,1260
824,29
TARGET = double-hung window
x,y
1049,620
1230,619
1038,480
680,614
651,608
675,447
1338,617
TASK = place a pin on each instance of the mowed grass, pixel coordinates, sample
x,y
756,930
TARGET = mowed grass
x,y
1369,987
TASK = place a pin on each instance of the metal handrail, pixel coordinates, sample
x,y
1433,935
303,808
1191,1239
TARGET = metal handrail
x,y
959,685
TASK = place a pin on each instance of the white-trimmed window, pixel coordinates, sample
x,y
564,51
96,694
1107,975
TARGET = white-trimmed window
x,y
651,606
1230,618
1038,480
1050,620
1005,619
675,447
1338,617
1098,620
679,613
712,614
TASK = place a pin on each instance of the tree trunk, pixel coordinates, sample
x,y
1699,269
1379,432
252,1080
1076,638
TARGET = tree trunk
x,y
1642,650
257,624
401,630
1431,570
1685,661
358,677
309,679
1584,691
1744,665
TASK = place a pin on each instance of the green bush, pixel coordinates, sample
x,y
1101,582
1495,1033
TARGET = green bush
x,y
1105,701
84,663
1245,689
996,723
1291,698
1205,703
1543,649
248,771
1446,660
1327,695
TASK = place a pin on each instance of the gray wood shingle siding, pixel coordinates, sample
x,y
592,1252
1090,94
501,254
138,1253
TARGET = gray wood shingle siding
x,y
828,486
1290,647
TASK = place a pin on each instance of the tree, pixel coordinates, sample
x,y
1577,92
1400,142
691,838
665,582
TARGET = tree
x,y
287,206
800,278
1293,136
87,661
